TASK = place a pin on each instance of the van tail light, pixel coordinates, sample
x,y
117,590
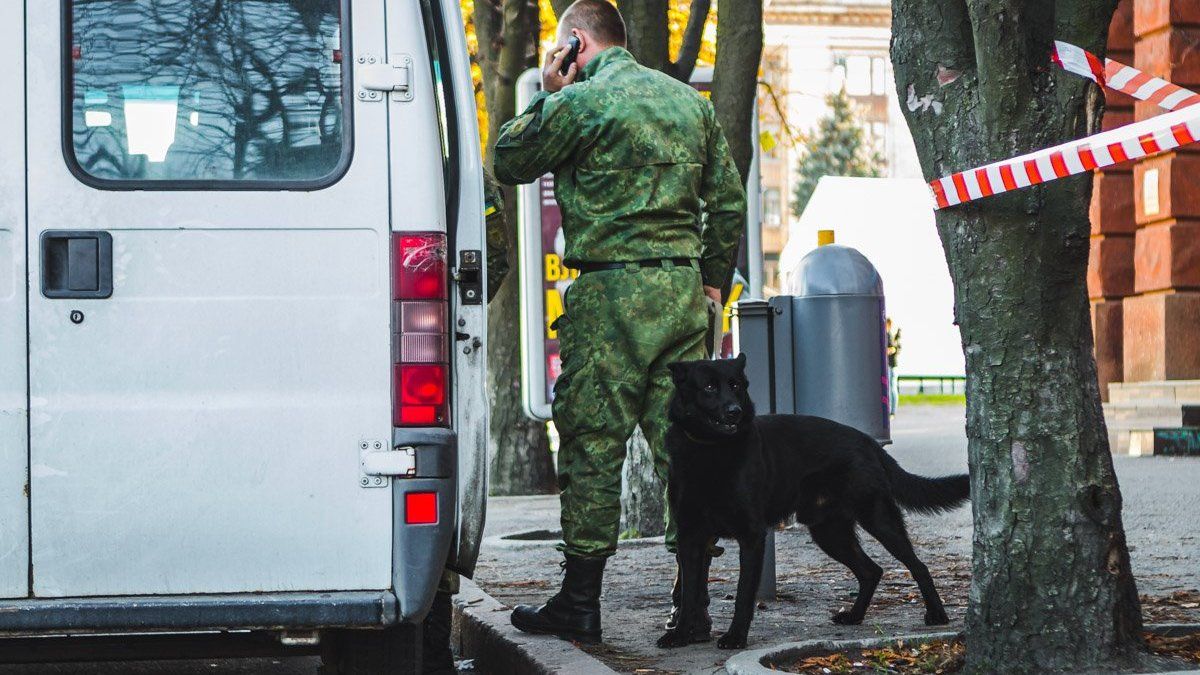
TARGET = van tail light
x,y
420,335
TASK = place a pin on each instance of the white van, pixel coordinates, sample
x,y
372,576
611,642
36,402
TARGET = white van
x,y
241,318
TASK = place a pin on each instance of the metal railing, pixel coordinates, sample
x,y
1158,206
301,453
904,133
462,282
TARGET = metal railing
x,y
957,384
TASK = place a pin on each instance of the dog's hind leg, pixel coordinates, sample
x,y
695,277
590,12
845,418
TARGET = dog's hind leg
x,y
840,542
884,521
750,563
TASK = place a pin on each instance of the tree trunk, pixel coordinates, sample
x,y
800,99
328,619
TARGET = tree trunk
x,y
643,496
560,6
507,31
1051,584
735,75
649,34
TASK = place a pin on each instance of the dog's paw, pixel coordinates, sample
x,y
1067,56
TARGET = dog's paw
x,y
847,619
674,638
936,617
732,640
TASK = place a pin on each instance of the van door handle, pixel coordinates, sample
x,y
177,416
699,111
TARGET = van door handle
x,y
77,264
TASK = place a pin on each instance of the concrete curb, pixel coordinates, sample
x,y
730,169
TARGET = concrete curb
x,y
482,632
750,662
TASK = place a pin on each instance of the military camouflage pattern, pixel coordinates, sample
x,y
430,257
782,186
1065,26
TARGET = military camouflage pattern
x,y
639,161
620,330
497,236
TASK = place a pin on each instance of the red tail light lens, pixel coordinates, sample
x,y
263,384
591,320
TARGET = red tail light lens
x,y
420,508
419,265
420,334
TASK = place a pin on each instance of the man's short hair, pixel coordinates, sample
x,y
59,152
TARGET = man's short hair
x,y
598,17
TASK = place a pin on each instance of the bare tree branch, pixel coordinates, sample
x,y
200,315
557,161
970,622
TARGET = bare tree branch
x,y
693,37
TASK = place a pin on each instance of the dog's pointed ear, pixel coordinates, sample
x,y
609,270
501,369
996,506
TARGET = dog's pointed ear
x,y
741,360
678,372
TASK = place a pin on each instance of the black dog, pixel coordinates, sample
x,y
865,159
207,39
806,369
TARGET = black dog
x,y
734,475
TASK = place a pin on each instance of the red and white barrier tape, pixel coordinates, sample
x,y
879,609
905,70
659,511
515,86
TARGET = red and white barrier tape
x,y
1141,139
1123,78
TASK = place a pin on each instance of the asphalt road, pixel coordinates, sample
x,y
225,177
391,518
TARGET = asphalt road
x,y
1162,506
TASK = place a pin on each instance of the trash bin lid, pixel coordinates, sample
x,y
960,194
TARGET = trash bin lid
x,y
835,270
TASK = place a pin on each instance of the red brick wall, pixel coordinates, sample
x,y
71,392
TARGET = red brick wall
x,y
1111,266
1161,332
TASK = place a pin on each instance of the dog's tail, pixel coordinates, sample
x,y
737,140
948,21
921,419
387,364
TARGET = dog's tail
x,y
926,495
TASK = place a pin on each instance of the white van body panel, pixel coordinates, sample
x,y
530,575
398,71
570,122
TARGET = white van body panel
x,y
199,431
14,446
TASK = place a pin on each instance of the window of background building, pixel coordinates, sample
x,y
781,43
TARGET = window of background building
x,y
772,207
858,75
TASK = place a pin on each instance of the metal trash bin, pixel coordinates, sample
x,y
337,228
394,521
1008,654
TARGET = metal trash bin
x,y
839,340
823,349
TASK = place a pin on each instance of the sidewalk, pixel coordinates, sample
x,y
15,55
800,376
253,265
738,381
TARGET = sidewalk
x,y
1161,506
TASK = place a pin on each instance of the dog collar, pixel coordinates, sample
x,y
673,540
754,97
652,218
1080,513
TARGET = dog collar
x,y
701,441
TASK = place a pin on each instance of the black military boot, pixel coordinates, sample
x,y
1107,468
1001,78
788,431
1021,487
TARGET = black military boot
x,y
574,613
702,632
436,656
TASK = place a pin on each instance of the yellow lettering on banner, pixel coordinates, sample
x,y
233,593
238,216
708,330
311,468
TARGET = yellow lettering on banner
x,y
556,270
553,267
554,309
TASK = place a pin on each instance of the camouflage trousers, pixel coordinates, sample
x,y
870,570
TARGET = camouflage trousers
x,y
619,331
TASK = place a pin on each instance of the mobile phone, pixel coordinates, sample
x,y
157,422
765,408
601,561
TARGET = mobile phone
x,y
572,54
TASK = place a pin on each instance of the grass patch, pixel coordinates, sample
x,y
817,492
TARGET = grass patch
x,y
933,399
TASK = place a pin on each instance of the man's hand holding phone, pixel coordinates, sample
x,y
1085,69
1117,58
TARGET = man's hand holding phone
x,y
561,68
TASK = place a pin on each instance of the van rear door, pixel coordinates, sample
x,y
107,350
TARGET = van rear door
x,y
209,317
14,392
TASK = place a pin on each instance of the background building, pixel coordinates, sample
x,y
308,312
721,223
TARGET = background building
x,y
814,48
1144,276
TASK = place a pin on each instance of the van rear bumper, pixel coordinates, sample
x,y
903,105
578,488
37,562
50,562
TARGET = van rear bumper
x,y
266,611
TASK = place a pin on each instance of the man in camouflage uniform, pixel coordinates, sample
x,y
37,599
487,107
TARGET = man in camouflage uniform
x,y
639,161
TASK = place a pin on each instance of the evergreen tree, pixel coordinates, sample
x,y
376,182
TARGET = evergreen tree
x,y
837,147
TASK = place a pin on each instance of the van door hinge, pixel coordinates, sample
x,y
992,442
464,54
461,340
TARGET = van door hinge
x,y
379,462
377,76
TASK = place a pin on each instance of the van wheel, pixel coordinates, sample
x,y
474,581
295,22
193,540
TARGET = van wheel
x,y
394,650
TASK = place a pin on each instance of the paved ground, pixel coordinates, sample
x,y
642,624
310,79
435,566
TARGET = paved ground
x,y
1162,505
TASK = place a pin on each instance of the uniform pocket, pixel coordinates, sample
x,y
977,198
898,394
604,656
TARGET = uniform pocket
x,y
579,406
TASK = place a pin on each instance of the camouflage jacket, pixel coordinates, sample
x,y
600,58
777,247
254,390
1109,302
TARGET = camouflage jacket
x,y
639,162
497,236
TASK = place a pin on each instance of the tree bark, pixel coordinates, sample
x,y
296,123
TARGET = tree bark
x,y
643,496
1051,585
560,6
521,463
648,31
735,75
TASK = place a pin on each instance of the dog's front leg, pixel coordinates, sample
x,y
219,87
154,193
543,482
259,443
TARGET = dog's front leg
x,y
750,560
692,584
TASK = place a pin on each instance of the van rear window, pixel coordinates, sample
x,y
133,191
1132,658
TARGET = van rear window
x,y
206,91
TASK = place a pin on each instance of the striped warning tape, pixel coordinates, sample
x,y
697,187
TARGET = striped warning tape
x,y
1141,139
1123,78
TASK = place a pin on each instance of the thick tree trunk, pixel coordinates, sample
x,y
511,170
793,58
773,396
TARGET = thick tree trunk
x,y
646,24
507,31
735,75
1051,586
